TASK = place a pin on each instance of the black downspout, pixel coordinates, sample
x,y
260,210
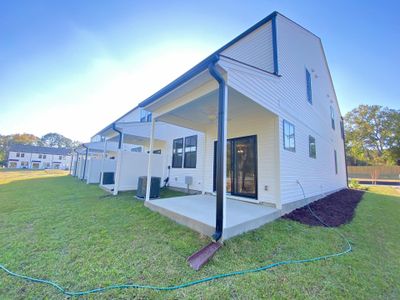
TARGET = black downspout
x,y
76,162
84,165
220,151
120,135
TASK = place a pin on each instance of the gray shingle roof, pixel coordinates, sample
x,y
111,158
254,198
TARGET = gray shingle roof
x,y
40,149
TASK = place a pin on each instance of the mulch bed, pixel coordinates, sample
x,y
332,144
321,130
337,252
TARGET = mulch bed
x,y
335,210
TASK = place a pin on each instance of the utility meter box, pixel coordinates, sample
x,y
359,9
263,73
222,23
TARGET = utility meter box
x,y
188,180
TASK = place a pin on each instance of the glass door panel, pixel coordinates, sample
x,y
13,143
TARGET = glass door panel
x,y
245,167
241,168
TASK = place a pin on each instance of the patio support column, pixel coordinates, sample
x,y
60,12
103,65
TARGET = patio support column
x,y
70,164
220,223
76,163
203,188
102,162
117,173
84,164
148,181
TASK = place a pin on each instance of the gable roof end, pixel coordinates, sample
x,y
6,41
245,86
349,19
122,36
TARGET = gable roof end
x,y
210,59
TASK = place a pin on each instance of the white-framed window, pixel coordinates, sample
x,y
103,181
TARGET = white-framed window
x,y
289,138
22,154
44,156
332,118
40,156
312,147
60,157
137,149
309,87
18,154
342,129
335,157
145,116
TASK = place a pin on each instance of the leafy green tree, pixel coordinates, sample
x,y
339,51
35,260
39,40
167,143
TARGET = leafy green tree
x,y
56,140
373,135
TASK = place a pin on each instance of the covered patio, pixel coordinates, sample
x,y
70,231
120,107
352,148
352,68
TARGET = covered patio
x,y
241,150
198,213
130,155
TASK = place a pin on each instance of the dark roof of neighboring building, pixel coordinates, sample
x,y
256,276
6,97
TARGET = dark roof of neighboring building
x,y
40,149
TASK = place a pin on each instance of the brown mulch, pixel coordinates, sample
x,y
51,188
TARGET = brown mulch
x,y
334,210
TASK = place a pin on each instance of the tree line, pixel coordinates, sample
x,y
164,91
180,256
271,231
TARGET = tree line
x,y
51,139
372,136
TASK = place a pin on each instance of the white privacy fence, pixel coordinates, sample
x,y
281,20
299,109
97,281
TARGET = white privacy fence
x,y
132,165
94,167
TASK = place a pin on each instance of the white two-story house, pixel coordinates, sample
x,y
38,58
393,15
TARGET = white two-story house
x,y
269,132
37,157
273,130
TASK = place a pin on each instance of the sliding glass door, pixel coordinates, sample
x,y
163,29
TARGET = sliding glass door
x,y
241,166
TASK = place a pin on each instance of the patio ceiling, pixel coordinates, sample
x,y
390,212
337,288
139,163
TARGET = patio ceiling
x,y
202,112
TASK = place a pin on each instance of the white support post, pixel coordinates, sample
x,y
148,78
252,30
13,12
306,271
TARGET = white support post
x,y
225,158
102,162
117,173
204,157
149,160
88,167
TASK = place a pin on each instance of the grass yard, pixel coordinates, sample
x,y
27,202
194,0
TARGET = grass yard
x,y
56,227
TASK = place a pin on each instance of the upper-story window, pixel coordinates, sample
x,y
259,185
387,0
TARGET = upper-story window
x,y
18,154
312,147
289,142
332,118
190,151
40,156
44,156
137,149
60,157
342,128
145,116
22,154
309,87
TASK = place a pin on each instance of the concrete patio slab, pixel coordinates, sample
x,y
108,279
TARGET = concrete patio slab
x,y
198,213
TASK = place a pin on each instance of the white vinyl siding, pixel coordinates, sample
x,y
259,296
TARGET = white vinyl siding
x,y
299,48
255,49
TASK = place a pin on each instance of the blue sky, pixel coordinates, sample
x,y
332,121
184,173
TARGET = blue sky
x,y
75,66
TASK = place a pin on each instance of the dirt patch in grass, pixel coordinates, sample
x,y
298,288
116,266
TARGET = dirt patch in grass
x,y
335,210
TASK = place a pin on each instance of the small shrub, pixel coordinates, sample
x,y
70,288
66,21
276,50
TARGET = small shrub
x,y
353,184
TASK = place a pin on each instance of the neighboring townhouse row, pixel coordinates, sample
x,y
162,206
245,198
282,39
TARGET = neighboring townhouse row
x,y
256,122
37,157
125,143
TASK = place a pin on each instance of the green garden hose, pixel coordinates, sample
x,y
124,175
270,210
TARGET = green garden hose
x,y
189,283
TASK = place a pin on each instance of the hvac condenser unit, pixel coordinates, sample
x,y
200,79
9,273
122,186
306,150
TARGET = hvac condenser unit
x,y
154,187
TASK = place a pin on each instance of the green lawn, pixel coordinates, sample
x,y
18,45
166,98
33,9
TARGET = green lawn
x,y
56,227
